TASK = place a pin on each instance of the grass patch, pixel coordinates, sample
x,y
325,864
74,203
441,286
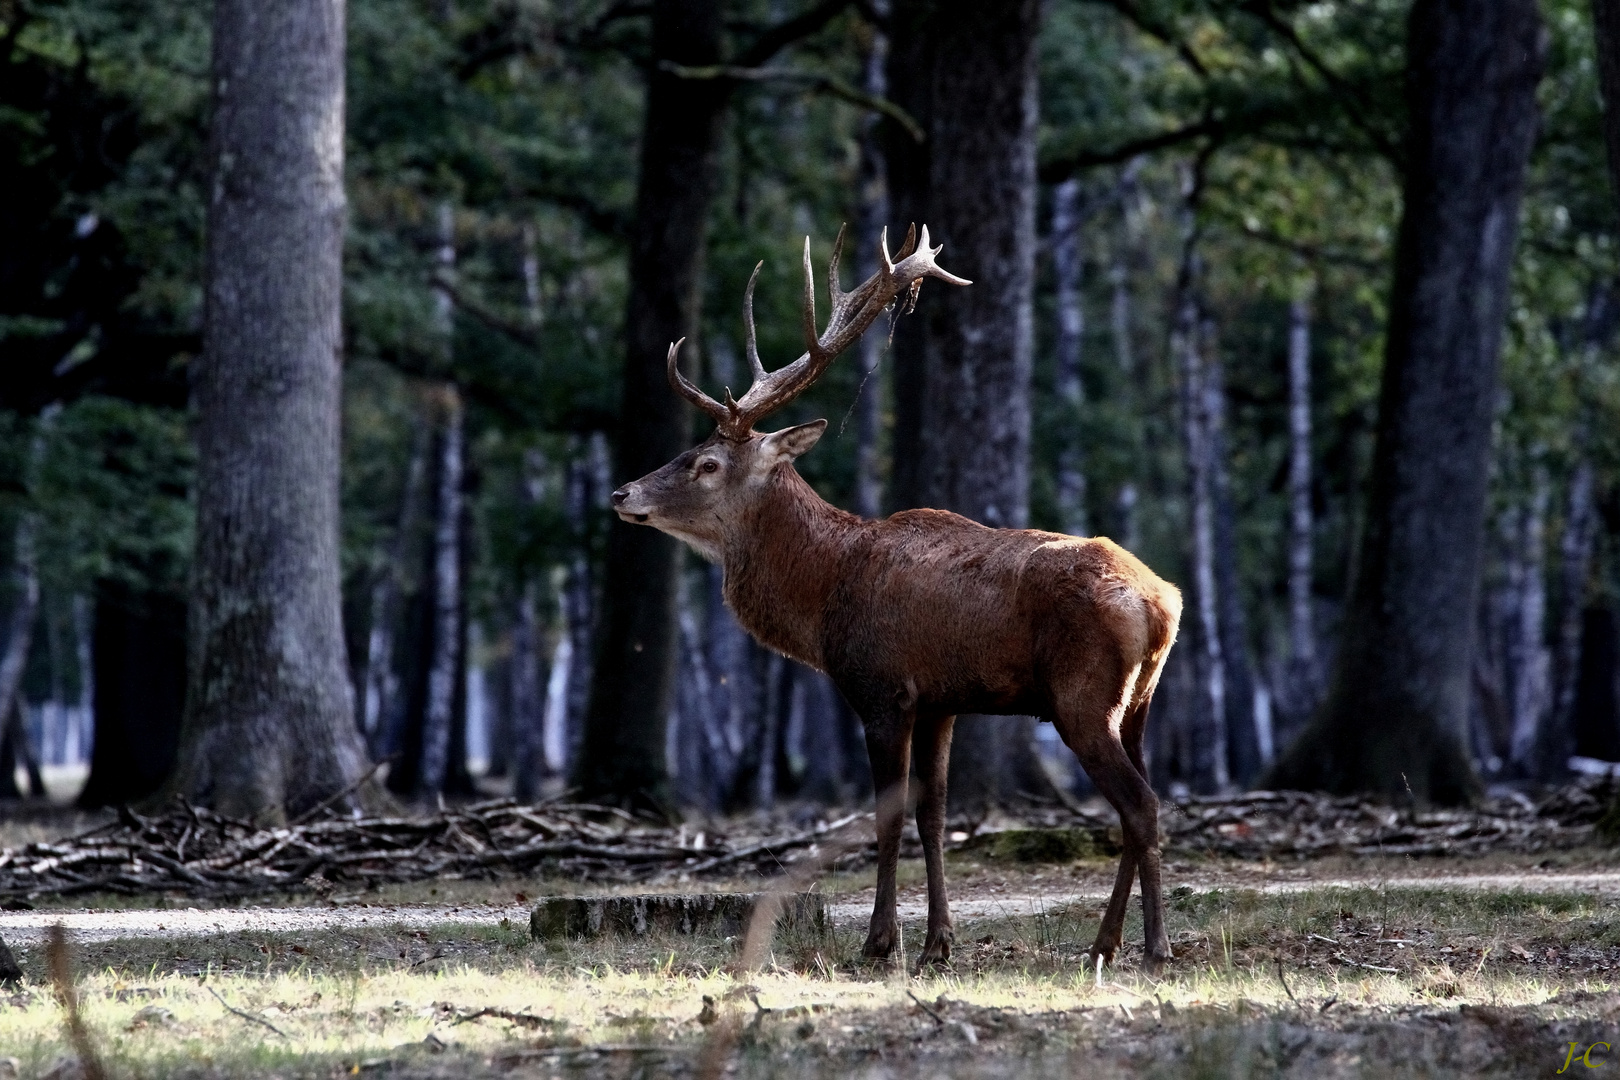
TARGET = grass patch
x,y
1432,981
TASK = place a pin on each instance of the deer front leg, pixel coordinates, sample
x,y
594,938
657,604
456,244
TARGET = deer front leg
x,y
888,745
933,757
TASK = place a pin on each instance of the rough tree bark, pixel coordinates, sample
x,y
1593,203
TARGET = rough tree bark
x,y
269,727
967,73
1394,720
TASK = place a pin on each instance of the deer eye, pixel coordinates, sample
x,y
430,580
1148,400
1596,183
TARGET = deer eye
x,y
709,466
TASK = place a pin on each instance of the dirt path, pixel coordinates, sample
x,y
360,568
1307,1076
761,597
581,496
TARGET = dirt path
x,y
970,901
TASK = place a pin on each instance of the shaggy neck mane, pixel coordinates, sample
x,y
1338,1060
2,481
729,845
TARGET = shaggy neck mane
x,y
782,564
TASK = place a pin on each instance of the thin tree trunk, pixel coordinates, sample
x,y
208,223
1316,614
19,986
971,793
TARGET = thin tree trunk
x,y
1394,721
967,72
1207,723
382,681
1067,216
872,216
24,613
83,652
527,705
1576,549
1239,684
1303,672
1528,660
623,753
446,663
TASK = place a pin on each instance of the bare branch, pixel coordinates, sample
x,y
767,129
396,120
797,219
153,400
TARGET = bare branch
x,y
816,81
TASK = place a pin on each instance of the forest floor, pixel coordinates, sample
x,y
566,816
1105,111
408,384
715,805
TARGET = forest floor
x,y
1342,966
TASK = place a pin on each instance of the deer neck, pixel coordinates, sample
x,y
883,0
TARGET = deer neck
x,y
783,563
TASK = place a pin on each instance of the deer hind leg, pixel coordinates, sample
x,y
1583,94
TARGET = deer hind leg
x,y
1086,724
888,745
1157,938
933,755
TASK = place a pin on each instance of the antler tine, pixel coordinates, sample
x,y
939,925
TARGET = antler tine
x,y
811,344
690,392
748,325
907,248
834,290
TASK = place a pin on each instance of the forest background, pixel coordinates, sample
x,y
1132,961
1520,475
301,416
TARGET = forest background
x,y
1218,195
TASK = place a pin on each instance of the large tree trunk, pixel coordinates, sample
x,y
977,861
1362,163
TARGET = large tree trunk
x,y
622,754
269,726
967,72
1394,720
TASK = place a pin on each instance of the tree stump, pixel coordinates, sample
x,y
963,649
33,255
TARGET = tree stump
x,y
718,914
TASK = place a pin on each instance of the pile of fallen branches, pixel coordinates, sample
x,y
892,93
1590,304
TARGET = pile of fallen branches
x,y
1282,824
199,853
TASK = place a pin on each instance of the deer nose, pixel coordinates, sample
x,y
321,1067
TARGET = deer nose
x,y
620,495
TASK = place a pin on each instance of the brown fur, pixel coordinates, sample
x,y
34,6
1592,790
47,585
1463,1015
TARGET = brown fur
x,y
923,616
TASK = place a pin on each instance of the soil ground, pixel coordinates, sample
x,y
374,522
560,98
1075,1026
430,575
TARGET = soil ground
x,y
1344,967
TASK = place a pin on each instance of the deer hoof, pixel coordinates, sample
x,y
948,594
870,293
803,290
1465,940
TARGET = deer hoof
x,y
937,952
880,943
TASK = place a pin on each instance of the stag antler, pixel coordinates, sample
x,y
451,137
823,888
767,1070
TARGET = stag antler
x,y
852,313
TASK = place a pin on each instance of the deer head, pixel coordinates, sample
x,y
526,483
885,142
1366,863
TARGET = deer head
x,y
700,495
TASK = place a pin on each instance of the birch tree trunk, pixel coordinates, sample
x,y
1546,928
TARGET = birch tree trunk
x,y
1207,724
1303,679
1067,216
269,728
1394,721
446,665
1238,679
1528,661
871,216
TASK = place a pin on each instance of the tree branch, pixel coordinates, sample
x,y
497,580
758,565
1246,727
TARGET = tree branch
x,y
829,84
779,37
1059,169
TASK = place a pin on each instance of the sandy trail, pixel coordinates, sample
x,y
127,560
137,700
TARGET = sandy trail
x,y
852,910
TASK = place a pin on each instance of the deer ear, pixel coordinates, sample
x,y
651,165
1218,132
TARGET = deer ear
x,y
789,443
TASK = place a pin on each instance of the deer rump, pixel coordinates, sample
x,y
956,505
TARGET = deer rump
x,y
924,614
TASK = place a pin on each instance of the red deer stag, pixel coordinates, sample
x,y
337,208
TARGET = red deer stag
x,y
925,614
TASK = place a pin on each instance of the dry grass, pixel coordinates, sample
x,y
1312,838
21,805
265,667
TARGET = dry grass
x,y
1264,984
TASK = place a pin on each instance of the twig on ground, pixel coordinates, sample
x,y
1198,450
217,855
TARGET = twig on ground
x,y
924,1007
1284,980
261,1021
